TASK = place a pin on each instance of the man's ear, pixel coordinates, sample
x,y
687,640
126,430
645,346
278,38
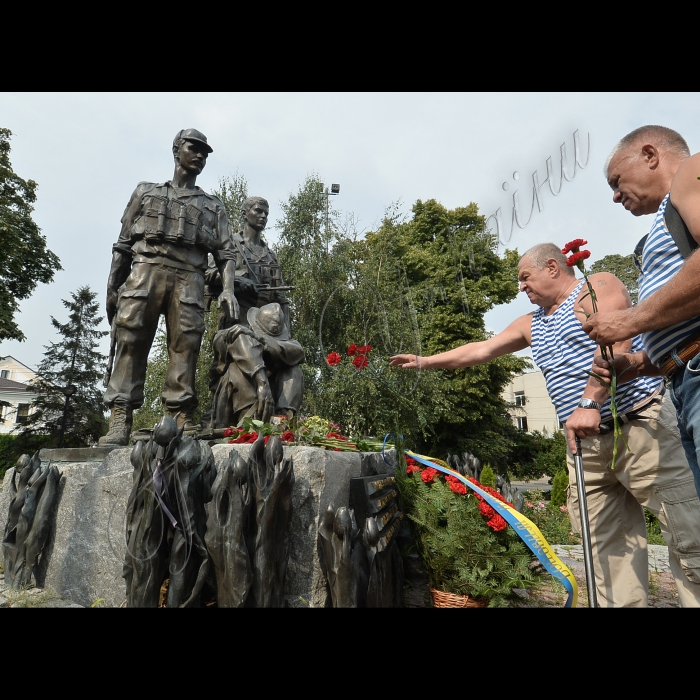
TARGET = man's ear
x,y
553,267
650,154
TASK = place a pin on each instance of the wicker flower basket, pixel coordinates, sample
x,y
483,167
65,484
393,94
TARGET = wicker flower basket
x,y
441,599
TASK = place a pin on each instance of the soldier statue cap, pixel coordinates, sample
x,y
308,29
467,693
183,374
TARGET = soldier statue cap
x,y
193,135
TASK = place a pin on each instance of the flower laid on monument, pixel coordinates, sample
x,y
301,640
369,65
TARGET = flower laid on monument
x,y
576,260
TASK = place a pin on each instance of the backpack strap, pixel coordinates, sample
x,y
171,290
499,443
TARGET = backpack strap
x,y
678,229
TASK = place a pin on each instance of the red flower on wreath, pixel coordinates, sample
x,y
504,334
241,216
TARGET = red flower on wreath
x,y
457,486
287,436
413,468
352,349
360,361
429,475
333,359
573,246
497,523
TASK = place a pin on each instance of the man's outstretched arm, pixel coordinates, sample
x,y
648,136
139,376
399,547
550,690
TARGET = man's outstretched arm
x,y
516,337
677,301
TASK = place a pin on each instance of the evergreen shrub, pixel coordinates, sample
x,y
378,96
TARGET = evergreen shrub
x,y
466,548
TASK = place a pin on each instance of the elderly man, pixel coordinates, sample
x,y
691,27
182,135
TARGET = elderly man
x,y
158,265
651,172
648,475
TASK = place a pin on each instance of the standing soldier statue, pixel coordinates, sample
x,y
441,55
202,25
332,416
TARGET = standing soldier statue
x,y
158,267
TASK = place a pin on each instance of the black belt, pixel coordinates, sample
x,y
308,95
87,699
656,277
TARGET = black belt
x,y
606,426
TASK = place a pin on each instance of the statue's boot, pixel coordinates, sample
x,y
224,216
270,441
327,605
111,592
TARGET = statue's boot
x,y
119,426
185,419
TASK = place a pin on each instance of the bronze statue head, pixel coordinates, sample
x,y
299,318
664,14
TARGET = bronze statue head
x,y
254,211
190,150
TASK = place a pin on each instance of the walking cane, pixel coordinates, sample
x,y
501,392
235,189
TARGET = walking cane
x,y
585,530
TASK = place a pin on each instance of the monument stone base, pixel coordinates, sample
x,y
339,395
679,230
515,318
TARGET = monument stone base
x,y
84,555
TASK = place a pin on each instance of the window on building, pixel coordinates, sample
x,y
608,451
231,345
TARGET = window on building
x,y
522,424
4,374
22,413
520,398
562,425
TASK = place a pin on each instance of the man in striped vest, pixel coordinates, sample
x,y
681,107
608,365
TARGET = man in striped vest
x,y
652,474
651,171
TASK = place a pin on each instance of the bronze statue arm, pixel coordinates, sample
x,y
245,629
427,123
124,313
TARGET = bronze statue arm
x,y
227,298
119,271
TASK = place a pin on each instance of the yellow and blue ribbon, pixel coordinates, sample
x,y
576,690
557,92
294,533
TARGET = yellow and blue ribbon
x,y
528,532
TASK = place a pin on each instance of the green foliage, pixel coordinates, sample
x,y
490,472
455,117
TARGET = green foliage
x,y
622,266
73,360
13,446
418,286
535,454
488,477
460,553
559,484
24,258
654,535
552,520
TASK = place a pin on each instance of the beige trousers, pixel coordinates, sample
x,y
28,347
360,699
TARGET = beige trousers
x,y
654,474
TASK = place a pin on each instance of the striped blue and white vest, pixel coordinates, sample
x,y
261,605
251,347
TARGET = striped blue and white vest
x,y
565,353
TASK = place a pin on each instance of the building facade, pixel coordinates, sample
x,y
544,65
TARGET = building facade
x,y
531,408
15,396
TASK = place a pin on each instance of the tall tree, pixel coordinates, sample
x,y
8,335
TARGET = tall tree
x,y
73,361
24,258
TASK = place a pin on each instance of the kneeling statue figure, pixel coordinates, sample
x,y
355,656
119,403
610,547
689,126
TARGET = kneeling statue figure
x,y
256,369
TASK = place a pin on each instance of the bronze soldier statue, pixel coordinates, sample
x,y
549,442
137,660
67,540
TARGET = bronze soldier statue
x,y
256,372
258,272
257,368
158,267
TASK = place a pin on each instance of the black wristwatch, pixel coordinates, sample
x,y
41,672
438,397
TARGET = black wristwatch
x,y
589,403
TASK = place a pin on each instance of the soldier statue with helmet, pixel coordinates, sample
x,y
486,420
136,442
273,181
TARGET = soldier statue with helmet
x,y
158,267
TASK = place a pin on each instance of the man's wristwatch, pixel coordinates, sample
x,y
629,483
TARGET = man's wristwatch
x,y
589,403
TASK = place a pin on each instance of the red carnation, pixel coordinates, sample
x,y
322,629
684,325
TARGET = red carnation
x,y
333,359
574,258
228,432
457,486
429,475
352,349
287,436
573,246
411,462
365,350
337,436
486,510
413,468
360,361
497,523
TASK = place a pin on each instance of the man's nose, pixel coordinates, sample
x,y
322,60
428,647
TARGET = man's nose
x,y
617,196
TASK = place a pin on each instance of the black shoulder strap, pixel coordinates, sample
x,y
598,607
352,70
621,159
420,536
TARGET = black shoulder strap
x,y
678,229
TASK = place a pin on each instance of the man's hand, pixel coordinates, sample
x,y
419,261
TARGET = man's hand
x,y
228,302
112,298
583,423
628,366
407,361
608,327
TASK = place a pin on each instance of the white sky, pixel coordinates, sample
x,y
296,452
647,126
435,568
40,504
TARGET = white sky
x,y
87,152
